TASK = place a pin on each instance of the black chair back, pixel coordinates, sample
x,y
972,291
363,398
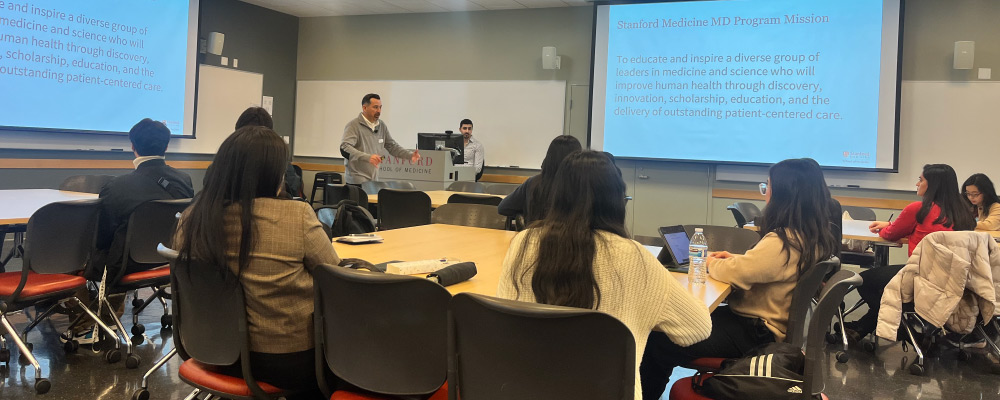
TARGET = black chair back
x,y
829,303
726,238
403,208
860,213
496,347
61,236
373,187
151,223
403,185
806,289
86,183
370,326
334,193
502,189
477,215
468,187
744,212
473,199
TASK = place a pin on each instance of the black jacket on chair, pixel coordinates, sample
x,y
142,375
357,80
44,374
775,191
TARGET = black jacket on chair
x,y
151,180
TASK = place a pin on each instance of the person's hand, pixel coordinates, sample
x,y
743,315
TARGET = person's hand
x,y
375,159
876,226
416,156
720,254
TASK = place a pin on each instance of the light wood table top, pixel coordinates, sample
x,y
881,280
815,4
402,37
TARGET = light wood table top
x,y
438,197
485,247
17,205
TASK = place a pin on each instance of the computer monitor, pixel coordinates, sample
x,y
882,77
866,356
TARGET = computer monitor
x,y
443,141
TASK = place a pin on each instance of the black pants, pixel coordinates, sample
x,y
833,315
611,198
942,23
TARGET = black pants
x,y
732,336
294,372
871,291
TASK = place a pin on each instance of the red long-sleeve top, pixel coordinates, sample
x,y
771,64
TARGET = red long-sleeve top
x,y
914,231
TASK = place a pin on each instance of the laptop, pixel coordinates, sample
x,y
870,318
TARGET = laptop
x,y
674,254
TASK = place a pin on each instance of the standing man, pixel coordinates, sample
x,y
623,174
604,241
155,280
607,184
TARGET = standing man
x,y
475,155
364,138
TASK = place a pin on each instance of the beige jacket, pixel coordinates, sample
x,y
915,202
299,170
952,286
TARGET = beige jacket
x,y
951,279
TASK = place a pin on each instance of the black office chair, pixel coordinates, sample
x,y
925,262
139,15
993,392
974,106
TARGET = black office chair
x,y
333,194
402,185
468,187
374,326
62,236
815,363
373,187
502,189
403,208
320,181
497,345
865,258
476,215
86,183
744,212
726,238
473,199
210,329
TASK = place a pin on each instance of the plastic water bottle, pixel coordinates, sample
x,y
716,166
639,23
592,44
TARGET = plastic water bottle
x,y
697,251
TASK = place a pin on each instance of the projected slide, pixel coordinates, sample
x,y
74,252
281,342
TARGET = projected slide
x,y
97,66
753,81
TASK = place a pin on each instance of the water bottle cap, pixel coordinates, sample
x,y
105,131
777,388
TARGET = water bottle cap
x,y
697,230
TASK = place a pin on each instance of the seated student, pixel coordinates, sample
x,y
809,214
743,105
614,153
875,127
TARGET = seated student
x,y
257,116
941,209
581,256
271,244
152,179
798,235
981,195
531,197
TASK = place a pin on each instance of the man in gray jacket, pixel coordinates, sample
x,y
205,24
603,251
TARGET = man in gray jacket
x,y
363,141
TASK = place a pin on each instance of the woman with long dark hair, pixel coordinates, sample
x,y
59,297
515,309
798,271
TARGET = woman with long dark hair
x,y
798,235
238,222
580,255
532,197
985,204
941,208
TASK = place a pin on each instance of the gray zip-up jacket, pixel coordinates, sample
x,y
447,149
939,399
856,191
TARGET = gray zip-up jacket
x,y
360,142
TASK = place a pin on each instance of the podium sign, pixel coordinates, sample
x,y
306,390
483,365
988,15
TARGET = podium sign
x,y
434,170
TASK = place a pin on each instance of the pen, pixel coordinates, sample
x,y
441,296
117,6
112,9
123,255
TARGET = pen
x,y
890,217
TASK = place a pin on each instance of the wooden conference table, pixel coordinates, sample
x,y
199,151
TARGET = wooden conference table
x,y
17,206
438,197
485,247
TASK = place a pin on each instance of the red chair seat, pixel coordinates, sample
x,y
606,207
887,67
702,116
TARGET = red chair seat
x,y
440,394
201,375
682,390
39,284
157,273
706,364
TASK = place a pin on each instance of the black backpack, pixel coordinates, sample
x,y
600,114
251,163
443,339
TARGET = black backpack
x,y
772,371
345,218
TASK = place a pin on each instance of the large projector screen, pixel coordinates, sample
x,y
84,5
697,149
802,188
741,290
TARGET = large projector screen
x,y
748,82
97,66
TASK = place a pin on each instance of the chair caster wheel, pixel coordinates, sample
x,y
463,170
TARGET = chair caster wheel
x,y
21,358
917,369
113,356
831,338
869,346
42,386
141,394
964,355
136,303
132,361
138,329
137,340
842,357
71,346
166,321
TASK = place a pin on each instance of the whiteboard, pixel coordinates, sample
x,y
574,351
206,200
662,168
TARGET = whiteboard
x,y
515,120
223,94
954,123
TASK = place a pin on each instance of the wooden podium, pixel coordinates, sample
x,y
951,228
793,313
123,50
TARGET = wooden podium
x,y
434,171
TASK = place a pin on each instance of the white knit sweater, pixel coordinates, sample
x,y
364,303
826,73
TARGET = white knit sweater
x,y
635,288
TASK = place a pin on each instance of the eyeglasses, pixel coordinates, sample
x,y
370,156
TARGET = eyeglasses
x,y
763,188
972,194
